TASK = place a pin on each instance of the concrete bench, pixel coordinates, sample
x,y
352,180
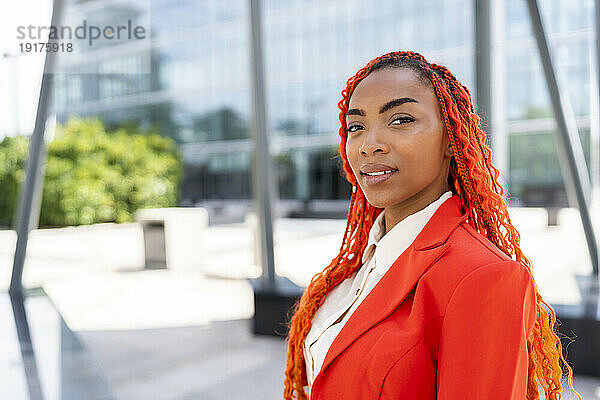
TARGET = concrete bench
x,y
173,236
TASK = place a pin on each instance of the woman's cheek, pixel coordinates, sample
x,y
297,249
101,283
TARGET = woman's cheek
x,y
354,166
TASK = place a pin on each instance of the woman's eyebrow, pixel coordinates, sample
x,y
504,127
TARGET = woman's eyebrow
x,y
390,104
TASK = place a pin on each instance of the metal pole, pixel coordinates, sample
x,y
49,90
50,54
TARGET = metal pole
x,y
30,196
489,79
570,151
262,186
595,119
483,60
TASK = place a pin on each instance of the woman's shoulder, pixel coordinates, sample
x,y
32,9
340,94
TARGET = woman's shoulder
x,y
469,241
472,256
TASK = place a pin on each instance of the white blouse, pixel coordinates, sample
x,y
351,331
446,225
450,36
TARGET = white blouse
x,y
343,300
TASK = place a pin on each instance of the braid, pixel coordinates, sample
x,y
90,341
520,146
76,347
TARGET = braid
x,y
475,179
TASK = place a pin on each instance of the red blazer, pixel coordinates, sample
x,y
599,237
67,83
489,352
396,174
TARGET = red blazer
x,y
448,321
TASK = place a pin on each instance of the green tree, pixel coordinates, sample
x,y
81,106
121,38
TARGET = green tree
x,y
93,175
13,153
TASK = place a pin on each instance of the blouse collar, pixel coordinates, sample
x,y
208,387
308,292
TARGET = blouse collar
x,y
388,247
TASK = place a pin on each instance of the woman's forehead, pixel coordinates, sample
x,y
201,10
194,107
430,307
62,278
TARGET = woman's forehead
x,y
390,82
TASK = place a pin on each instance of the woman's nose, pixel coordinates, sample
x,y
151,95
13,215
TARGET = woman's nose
x,y
373,142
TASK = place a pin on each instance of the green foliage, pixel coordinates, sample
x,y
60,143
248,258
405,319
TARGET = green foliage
x,y
94,175
13,153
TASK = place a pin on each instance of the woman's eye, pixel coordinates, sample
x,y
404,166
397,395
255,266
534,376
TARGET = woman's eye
x,y
403,120
349,129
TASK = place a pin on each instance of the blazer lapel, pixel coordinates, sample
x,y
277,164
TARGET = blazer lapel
x,y
429,245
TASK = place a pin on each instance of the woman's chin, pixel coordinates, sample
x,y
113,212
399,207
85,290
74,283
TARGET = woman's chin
x,y
378,200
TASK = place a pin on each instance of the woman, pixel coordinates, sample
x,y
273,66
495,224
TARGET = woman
x,y
430,296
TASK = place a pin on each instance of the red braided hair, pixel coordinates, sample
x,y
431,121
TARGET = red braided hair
x,y
475,179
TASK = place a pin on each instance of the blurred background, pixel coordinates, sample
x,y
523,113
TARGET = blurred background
x,y
140,238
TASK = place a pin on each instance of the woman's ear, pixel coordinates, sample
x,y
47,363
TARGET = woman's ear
x,y
449,152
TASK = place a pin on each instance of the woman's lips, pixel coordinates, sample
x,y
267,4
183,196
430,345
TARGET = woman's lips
x,y
377,179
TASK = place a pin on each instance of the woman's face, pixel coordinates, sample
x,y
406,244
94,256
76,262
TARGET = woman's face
x,y
395,130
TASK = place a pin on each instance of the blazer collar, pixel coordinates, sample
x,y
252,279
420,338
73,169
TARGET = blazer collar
x,y
448,216
396,284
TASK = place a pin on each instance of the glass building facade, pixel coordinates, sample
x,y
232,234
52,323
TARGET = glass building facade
x,y
199,89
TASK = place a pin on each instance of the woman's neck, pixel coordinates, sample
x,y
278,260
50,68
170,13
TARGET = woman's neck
x,y
398,212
